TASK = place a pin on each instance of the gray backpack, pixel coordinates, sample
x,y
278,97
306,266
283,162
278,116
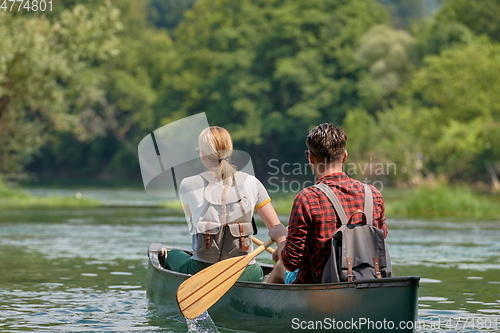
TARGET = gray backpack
x,y
359,251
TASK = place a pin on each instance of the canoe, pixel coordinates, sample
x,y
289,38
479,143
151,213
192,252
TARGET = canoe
x,y
383,305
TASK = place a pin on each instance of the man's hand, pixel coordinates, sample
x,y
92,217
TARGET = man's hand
x,y
277,252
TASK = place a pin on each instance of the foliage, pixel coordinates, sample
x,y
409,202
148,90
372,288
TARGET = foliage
x,y
387,144
481,17
444,121
270,69
129,103
458,110
448,123
7,192
406,12
131,88
85,91
458,22
168,13
45,77
444,201
389,55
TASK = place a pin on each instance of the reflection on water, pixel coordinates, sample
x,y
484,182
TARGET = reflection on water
x,y
459,263
84,270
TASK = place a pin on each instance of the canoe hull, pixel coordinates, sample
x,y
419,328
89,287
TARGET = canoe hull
x,y
372,305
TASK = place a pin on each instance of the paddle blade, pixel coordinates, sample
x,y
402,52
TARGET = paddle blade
x,y
198,293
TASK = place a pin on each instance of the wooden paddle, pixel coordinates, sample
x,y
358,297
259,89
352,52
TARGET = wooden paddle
x,y
202,290
259,242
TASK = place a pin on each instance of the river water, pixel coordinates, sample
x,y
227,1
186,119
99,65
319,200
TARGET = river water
x,y
84,269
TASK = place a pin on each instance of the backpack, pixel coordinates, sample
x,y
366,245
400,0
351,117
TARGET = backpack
x,y
359,251
225,226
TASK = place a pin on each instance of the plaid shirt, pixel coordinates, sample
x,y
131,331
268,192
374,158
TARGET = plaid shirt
x,y
313,222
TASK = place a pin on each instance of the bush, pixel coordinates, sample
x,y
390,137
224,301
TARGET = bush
x,y
444,201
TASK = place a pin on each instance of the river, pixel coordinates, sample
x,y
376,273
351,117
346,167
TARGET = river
x,y
83,269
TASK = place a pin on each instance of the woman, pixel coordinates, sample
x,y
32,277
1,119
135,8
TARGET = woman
x,y
219,204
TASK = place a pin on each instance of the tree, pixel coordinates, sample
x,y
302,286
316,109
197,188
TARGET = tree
x,y
458,109
168,13
481,17
270,69
45,77
389,56
127,107
386,146
406,12
457,22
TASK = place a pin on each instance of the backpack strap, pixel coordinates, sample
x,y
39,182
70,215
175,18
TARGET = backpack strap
x,y
254,225
224,205
368,205
334,200
209,177
368,208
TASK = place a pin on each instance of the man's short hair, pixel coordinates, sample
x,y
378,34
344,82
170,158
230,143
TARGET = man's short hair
x,y
328,142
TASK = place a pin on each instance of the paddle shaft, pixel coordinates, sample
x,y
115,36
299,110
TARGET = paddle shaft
x,y
259,242
198,293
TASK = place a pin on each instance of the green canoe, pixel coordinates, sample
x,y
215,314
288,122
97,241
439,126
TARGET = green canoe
x,y
378,305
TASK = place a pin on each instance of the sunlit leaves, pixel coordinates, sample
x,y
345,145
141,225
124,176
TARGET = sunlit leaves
x,y
460,105
44,73
263,68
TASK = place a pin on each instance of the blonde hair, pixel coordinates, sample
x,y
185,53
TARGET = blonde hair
x,y
216,144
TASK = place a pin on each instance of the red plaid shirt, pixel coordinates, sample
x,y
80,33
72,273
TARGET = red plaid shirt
x,y
313,222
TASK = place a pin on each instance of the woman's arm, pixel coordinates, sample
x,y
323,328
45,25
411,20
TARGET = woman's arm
x,y
268,215
277,231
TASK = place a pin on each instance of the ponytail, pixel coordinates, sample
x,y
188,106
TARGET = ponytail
x,y
225,171
217,145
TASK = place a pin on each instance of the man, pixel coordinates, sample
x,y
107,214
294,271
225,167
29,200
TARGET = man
x,y
313,220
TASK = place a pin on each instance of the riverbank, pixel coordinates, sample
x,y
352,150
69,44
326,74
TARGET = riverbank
x,y
423,202
445,201
426,202
13,198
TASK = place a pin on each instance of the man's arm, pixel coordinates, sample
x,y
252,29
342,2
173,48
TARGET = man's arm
x,y
294,249
379,211
277,231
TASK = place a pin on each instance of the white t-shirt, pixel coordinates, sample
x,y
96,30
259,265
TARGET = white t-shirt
x,y
192,190
192,196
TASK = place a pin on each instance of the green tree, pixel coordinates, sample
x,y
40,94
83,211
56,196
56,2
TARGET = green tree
x,y
457,22
129,101
46,79
481,17
458,110
386,146
269,70
389,56
404,13
128,106
168,13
